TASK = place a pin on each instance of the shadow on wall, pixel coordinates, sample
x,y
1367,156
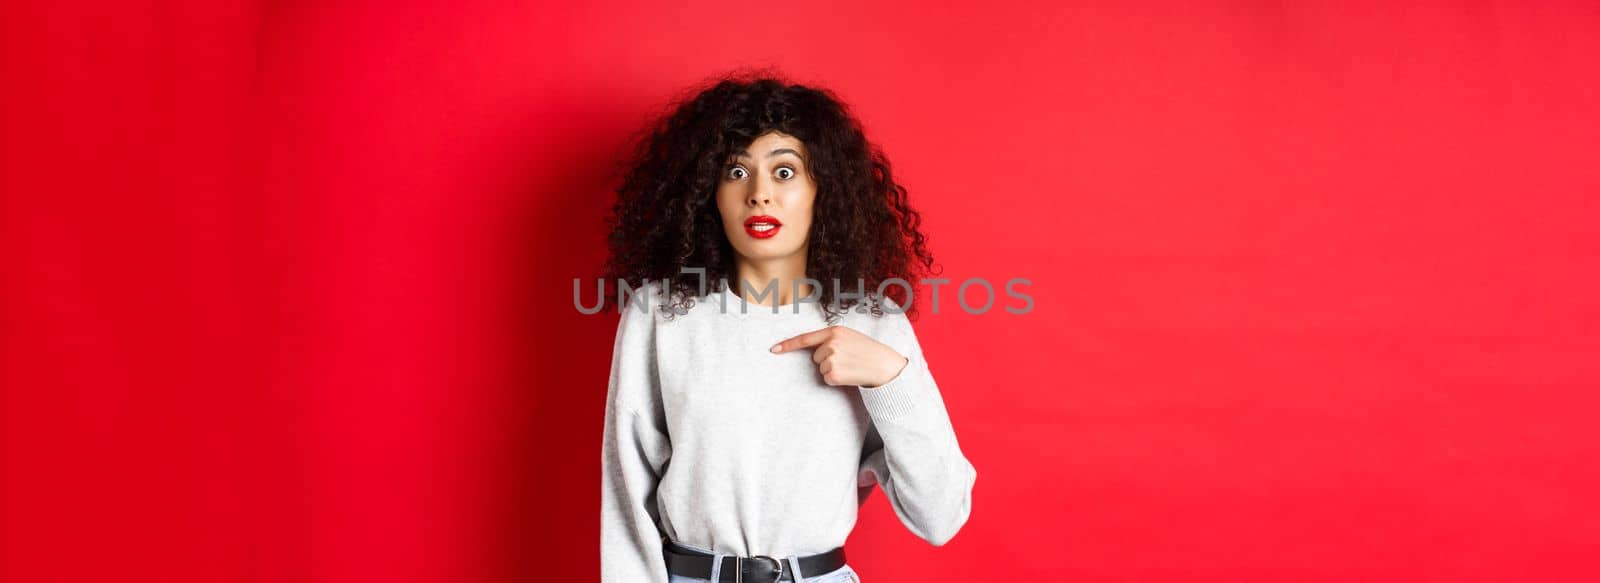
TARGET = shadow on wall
x,y
542,504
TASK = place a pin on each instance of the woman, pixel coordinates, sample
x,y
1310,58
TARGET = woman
x,y
744,429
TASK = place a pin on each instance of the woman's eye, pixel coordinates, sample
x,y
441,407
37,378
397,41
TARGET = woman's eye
x,y
785,173
737,173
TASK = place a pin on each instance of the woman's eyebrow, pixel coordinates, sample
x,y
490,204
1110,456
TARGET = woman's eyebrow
x,y
744,154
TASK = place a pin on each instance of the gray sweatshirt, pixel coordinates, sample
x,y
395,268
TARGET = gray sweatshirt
x,y
713,441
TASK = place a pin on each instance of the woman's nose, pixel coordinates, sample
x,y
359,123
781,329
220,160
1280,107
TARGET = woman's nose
x,y
759,197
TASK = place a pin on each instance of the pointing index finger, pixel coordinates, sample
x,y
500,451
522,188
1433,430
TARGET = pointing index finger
x,y
808,339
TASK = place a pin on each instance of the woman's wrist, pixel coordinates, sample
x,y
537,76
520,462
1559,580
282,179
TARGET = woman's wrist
x,y
891,373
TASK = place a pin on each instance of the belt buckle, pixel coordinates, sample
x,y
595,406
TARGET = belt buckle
x,y
738,567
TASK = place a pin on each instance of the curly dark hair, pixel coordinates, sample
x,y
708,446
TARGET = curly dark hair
x,y
665,217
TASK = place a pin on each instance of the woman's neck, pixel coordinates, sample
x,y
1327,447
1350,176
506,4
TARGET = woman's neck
x,y
761,275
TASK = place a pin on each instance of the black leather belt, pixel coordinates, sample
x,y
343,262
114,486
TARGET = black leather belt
x,y
758,569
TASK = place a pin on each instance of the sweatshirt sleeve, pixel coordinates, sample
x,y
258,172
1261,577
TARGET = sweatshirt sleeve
x,y
634,453
911,448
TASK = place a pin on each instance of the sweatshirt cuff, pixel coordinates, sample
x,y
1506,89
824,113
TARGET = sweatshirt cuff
x,y
901,396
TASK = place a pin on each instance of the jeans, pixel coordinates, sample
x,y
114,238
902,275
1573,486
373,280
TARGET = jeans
x,y
841,575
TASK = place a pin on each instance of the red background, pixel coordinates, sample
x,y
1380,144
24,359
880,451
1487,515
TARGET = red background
x,y
286,285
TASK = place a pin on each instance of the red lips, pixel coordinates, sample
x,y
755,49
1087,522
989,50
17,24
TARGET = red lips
x,y
762,221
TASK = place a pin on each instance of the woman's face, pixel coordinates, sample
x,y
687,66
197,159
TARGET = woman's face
x,y
765,196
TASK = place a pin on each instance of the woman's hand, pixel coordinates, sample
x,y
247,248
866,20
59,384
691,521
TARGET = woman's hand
x,y
847,357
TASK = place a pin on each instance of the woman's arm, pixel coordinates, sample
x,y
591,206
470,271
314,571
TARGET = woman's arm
x,y
911,450
635,451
